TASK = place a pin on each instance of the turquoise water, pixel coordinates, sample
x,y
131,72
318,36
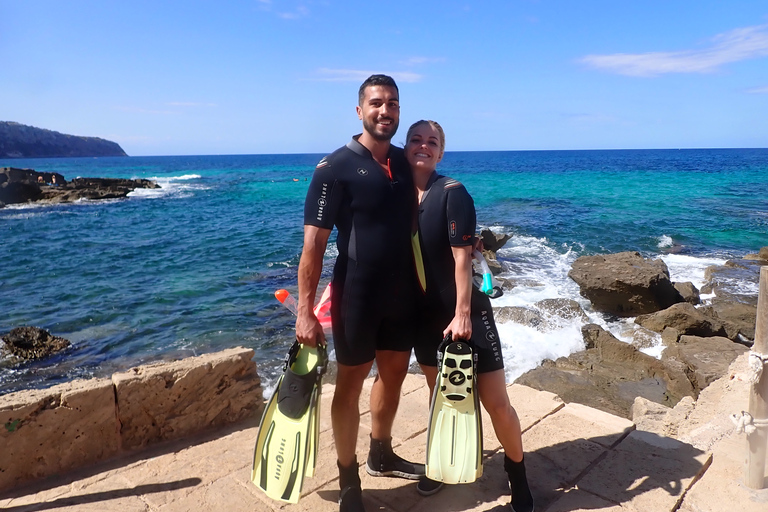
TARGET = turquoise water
x,y
192,267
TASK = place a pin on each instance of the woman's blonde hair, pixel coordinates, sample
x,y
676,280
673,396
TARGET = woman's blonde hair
x,y
433,124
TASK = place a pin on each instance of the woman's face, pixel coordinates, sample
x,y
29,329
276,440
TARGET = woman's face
x,y
423,149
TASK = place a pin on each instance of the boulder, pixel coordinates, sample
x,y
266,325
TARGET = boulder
x,y
493,242
32,343
659,419
546,314
493,263
685,318
762,255
738,319
519,315
727,281
688,292
609,375
704,359
566,309
624,284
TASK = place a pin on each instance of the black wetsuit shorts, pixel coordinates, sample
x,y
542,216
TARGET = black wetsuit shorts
x,y
446,219
374,288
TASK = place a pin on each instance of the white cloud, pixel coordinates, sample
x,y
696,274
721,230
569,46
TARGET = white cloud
x,y
359,75
758,90
734,46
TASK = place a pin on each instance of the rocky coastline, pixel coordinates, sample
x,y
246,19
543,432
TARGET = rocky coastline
x,y
700,341
19,186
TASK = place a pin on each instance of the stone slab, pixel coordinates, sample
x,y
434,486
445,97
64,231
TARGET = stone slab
x,y
574,437
646,470
51,431
723,482
577,500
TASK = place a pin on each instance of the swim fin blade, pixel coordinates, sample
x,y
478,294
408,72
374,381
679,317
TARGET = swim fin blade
x,y
286,445
455,432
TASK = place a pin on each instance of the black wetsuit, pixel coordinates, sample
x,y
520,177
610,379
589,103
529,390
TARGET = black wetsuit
x,y
374,287
446,219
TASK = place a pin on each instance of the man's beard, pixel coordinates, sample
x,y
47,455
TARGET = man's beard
x,y
383,137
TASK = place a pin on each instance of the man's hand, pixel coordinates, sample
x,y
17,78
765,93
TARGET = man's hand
x,y
309,332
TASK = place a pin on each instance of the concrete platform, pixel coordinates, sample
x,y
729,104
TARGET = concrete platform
x,y
578,459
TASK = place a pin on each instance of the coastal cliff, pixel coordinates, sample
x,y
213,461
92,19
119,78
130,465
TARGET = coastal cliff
x,y
22,141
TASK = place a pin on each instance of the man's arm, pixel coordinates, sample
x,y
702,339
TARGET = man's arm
x,y
308,329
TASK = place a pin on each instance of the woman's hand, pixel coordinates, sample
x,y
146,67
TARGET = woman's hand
x,y
459,328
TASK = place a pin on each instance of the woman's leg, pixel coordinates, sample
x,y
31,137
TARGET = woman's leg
x,y
492,388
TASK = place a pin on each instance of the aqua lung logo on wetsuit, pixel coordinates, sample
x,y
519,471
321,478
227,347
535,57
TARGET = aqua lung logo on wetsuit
x,y
362,172
453,228
322,201
490,335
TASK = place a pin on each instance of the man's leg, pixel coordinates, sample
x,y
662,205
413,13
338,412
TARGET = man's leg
x,y
345,416
385,394
385,397
345,410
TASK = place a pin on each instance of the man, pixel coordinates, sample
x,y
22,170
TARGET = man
x,y
365,189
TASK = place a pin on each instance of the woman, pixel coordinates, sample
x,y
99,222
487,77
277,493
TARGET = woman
x,y
453,305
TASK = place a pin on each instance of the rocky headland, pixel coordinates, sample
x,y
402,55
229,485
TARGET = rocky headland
x,y
19,186
700,341
22,141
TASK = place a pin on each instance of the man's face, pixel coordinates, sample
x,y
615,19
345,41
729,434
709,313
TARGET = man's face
x,y
380,112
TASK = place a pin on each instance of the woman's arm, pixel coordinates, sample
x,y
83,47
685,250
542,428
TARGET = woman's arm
x,y
461,325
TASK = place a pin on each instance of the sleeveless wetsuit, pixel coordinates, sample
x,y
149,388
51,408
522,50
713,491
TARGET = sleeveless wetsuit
x,y
374,287
446,219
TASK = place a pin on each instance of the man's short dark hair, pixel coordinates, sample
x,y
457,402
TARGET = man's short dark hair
x,y
376,80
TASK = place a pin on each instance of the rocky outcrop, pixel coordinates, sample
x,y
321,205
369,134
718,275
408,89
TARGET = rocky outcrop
x,y
492,243
624,284
683,317
24,343
738,319
546,314
721,280
55,430
22,141
609,375
27,185
703,359
613,375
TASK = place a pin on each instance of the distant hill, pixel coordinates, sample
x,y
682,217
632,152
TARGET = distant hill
x,y
22,141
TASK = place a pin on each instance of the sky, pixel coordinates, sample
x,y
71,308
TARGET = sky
x,y
281,76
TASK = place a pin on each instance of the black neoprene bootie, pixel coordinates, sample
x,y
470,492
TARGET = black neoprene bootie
x,y
351,494
382,461
522,500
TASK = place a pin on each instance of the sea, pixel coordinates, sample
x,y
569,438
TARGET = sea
x,y
192,267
